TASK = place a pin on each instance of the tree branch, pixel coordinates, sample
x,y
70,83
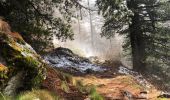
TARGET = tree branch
x,y
82,6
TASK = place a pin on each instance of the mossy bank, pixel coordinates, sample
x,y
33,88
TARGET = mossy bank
x,y
21,68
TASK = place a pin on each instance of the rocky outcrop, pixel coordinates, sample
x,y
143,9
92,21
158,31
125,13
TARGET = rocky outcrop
x,y
64,58
21,68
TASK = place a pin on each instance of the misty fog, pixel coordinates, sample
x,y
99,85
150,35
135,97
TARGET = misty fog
x,y
87,45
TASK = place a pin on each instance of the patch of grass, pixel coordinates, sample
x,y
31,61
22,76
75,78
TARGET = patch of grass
x,y
81,88
4,97
65,87
37,95
94,95
89,89
66,77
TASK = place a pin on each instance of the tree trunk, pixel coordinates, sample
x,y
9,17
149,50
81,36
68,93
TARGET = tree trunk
x,y
137,41
137,44
91,26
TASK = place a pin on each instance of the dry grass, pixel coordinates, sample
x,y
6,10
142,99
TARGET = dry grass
x,y
37,95
16,35
62,84
65,87
4,27
111,87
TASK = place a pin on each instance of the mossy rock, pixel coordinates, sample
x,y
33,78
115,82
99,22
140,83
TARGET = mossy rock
x,y
21,57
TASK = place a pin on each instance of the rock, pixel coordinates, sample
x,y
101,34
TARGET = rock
x,y
164,95
127,95
66,59
22,59
143,95
14,84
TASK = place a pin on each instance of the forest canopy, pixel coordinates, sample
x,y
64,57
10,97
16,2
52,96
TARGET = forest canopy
x,y
145,23
39,20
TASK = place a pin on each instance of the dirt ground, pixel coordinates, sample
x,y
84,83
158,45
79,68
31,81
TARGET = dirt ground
x,y
112,88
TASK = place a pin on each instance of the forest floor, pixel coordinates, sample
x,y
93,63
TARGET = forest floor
x,y
111,79
113,88
117,83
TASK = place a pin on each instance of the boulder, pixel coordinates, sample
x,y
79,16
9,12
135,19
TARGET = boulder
x,y
26,69
70,62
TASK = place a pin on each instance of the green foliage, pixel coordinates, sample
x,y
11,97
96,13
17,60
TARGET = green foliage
x,y
38,21
2,97
88,89
3,78
144,22
3,75
79,85
116,14
66,77
30,65
94,95
21,58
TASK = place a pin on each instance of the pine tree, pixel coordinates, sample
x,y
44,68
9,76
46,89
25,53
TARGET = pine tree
x,y
142,21
37,20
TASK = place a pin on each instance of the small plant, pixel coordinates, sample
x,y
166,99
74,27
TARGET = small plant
x,y
3,75
64,86
94,95
80,86
68,78
2,97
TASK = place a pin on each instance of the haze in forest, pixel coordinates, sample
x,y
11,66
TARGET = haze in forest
x,y
83,40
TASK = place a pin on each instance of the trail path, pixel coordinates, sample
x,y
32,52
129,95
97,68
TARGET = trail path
x,y
112,88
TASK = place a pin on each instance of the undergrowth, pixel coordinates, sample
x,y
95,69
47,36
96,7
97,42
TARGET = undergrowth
x,y
32,95
94,94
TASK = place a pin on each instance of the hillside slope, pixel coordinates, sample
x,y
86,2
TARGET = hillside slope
x,y
24,72
113,81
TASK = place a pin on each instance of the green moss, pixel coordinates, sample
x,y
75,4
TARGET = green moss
x,y
21,58
27,62
20,41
